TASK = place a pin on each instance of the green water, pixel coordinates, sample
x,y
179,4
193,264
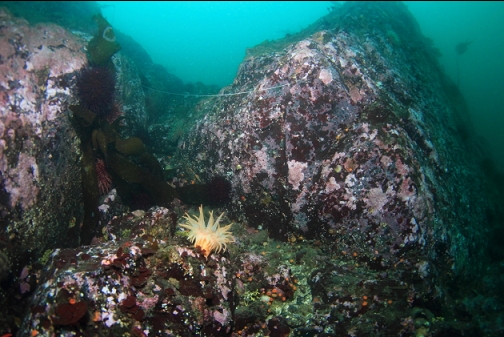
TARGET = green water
x,y
206,41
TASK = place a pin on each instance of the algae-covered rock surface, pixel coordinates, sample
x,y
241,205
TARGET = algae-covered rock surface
x,y
341,156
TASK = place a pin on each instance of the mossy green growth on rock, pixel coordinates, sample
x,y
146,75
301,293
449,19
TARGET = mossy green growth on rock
x,y
103,45
46,256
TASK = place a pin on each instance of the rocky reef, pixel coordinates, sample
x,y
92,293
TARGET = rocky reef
x,y
37,141
342,155
350,137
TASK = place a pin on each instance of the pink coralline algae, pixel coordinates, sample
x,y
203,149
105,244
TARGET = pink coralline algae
x,y
221,317
296,175
29,82
22,181
38,144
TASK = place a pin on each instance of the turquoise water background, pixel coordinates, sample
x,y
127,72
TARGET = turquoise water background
x,y
206,41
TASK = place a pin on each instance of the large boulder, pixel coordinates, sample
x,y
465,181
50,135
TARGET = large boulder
x,y
141,284
38,144
350,134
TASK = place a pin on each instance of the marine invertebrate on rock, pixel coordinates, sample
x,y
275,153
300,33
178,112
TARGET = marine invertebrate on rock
x,y
210,236
95,87
104,179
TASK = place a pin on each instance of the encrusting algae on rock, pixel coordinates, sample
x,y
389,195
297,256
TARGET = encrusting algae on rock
x,y
208,237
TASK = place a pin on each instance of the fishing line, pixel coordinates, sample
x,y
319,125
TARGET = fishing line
x,y
219,95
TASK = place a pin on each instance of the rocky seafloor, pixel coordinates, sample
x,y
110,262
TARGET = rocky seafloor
x,y
361,202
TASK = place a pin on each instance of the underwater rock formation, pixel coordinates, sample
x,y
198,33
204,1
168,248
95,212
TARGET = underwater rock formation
x,y
350,134
38,145
137,285
344,159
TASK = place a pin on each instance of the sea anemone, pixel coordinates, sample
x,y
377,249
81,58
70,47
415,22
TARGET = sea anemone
x,y
208,237
95,87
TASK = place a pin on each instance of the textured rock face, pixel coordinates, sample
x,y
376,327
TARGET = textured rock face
x,y
132,286
348,136
357,204
38,147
